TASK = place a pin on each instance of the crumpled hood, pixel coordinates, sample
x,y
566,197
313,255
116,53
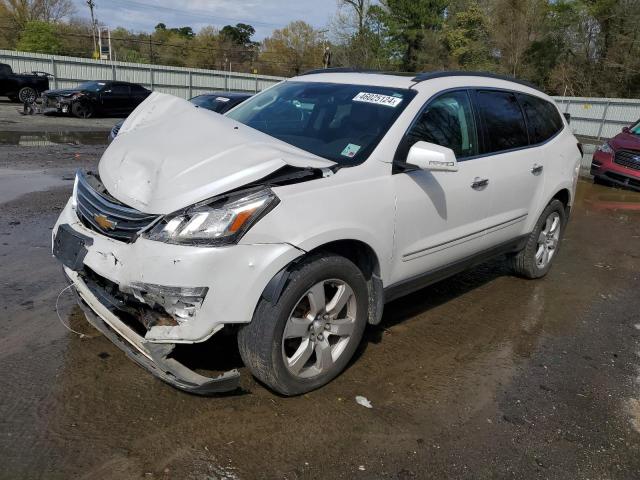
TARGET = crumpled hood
x,y
170,154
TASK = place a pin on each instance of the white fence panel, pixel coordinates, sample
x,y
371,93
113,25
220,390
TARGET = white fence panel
x,y
184,82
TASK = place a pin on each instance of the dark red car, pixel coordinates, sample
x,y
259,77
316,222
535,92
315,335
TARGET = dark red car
x,y
618,160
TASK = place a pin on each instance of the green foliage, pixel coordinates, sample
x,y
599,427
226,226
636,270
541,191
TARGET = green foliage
x,y
409,24
39,37
467,38
577,47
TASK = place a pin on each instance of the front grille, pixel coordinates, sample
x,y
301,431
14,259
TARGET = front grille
x,y
628,158
104,214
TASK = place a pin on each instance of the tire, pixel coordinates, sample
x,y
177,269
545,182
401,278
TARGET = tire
x,y
81,110
532,262
313,352
27,94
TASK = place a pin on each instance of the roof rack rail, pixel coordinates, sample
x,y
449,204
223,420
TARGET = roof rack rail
x,y
356,70
421,77
338,70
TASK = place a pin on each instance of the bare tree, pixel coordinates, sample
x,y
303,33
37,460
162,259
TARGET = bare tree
x,y
23,11
516,26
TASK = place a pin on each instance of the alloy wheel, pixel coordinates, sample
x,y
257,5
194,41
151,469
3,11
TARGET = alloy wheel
x,y
548,240
319,328
27,95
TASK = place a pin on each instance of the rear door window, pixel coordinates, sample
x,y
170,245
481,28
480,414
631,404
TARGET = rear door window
x,y
543,118
505,128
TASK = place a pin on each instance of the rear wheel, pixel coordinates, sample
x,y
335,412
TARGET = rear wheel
x,y
308,336
534,260
27,95
82,110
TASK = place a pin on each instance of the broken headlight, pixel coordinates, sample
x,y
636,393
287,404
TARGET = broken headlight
x,y
218,222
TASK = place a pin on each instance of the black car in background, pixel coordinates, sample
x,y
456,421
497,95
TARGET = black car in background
x,y
95,98
219,102
22,87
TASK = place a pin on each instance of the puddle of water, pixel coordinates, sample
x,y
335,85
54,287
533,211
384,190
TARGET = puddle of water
x,y
605,198
46,139
15,183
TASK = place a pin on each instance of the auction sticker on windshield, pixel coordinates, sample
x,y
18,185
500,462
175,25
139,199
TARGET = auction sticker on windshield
x,y
350,150
377,99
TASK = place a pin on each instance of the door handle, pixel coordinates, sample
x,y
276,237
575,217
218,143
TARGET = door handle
x,y
479,183
536,169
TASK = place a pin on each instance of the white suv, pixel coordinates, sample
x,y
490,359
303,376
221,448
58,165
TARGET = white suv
x,y
299,213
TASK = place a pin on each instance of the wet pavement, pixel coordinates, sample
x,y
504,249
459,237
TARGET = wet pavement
x,y
483,375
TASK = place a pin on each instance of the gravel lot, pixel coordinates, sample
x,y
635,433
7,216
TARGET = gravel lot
x,y
480,376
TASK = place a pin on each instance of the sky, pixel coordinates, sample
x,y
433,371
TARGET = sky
x,y
265,16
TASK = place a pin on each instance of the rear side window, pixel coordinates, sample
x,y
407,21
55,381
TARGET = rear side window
x,y
503,119
543,118
446,121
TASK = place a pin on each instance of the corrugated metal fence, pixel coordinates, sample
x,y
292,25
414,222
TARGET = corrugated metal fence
x,y
182,82
593,117
599,117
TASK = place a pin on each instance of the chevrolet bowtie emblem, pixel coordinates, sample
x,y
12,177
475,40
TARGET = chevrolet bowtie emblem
x,y
104,222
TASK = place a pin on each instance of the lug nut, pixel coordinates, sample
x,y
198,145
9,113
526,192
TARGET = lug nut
x,y
327,326
325,317
320,337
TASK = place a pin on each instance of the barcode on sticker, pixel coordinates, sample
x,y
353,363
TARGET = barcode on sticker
x,y
377,99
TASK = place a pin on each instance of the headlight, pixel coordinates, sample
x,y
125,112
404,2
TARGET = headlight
x,y
218,222
605,148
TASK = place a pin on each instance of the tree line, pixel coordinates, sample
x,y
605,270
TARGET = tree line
x,y
572,47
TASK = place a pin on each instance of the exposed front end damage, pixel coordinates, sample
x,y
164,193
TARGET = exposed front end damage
x,y
148,294
105,311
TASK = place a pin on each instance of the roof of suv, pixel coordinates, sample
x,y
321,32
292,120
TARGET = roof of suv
x,y
398,80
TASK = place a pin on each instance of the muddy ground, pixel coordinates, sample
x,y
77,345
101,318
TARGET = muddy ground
x,y
480,376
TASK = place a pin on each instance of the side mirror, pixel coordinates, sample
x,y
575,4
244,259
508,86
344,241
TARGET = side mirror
x,y
567,117
432,157
626,129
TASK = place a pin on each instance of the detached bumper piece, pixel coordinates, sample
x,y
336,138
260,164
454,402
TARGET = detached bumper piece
x,y
166,369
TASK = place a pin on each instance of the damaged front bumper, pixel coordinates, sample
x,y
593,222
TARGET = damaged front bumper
x,y
101,311
155,357
107,273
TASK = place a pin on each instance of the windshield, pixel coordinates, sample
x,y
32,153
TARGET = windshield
x,y
215,103
91,86
343,123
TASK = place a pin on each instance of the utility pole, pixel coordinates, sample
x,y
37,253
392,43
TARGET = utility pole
x,y
150,50
92,4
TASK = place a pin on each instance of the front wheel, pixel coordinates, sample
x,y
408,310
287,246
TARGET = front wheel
x,y
308,336
534,260
82,110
